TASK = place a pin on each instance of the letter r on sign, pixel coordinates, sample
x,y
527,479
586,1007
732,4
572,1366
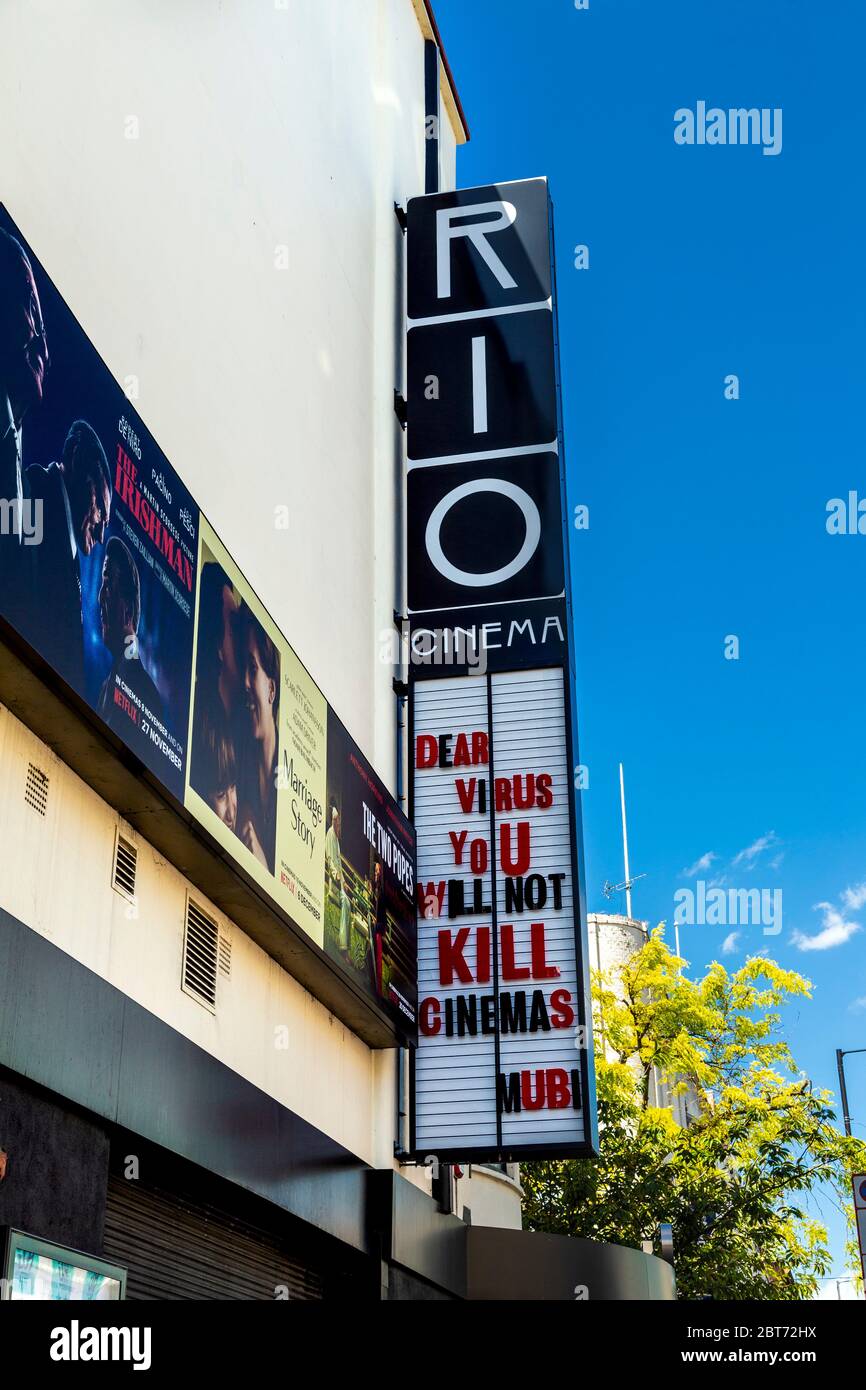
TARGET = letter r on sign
x,y
503,215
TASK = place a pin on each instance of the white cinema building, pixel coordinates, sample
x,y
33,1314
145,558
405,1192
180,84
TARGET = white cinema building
x,y
211,187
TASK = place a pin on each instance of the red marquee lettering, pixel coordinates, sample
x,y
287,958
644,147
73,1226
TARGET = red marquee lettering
x,y
515,865
480,750
510,970
558,1093
563,1013
478,857
431,899
428,1018
530,1101
458,840
451,959
524,800
540,969
544,799
426,751
482,956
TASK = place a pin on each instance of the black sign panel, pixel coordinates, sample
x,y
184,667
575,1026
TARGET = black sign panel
x,y
485,532
508,637
479,249
482,384
484,521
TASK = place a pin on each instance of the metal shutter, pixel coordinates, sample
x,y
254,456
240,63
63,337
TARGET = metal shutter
x,y
175,1249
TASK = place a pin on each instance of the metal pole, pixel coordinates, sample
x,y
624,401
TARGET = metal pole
x,y
624,842
843,1091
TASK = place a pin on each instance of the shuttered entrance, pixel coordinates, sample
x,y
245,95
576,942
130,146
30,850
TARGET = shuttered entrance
x,y
177,1249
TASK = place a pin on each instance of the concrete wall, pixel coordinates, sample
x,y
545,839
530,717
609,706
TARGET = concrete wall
x,y
613,940
494,1198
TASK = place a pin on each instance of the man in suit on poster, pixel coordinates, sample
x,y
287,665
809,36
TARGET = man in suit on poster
x,y
23,363
76,506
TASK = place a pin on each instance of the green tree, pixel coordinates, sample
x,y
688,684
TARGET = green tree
x,y
733,1182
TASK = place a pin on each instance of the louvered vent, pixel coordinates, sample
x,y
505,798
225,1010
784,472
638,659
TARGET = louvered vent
x,y
125,860
200,955
225,957
36,790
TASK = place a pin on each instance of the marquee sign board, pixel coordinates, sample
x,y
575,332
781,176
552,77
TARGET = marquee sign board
x,y
503,1067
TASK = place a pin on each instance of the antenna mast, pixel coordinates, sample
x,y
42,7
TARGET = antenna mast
x,y
625,843
611,889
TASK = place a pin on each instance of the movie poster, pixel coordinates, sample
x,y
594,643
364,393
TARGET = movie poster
x,y
98,536
111,574
257,742
370,918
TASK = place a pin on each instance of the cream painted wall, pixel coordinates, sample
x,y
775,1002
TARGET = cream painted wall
x,y
56,876
164,157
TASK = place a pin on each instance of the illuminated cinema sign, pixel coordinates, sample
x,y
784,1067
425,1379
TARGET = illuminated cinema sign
x,y
503,1066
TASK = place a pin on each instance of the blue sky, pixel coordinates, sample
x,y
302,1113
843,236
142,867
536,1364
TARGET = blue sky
x,y
708,516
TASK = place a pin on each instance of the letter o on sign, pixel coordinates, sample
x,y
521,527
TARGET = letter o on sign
x,y
531,516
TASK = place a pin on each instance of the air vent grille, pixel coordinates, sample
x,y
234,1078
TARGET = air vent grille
x,y
125,861
225,957
36,789
200,955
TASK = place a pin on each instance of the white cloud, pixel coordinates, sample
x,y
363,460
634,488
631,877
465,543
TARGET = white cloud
x,y
748,855
857,1005
701,865
854,898
835,931
729,945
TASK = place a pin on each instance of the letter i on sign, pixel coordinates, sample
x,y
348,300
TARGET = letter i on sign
x,y
479,384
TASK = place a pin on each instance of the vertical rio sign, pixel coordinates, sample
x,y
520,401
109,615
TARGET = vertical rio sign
x,y
503,1068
